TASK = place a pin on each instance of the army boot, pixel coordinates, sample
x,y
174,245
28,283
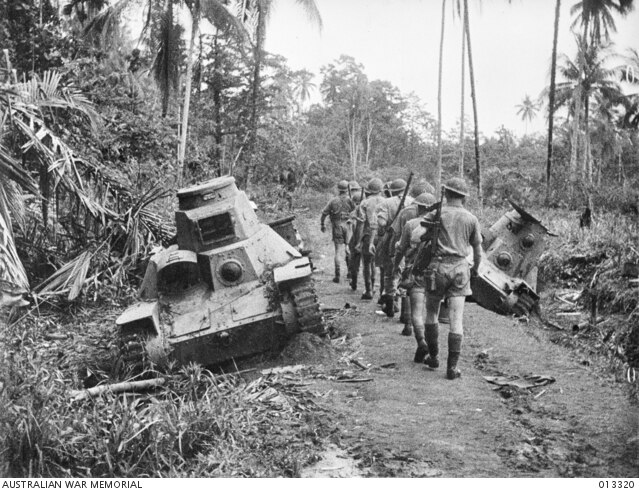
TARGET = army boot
x,y
454,349
367,295
388,305
406,313
336,277
422,347
432,340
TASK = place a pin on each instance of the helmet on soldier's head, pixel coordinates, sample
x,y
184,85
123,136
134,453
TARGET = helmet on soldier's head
x,y
374,186
354,185
425,199
457,186
421,186
342,185
397,186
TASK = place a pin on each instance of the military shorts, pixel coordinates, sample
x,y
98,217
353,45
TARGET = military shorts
x,y
451,278
340,232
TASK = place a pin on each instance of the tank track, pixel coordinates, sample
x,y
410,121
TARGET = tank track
x,y
132,358
524,304
309,315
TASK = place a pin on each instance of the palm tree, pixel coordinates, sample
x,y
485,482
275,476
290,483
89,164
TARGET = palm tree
x,y
551,98
597,22
165,67
29,141
302,86
261,9
528,110
595,18
586,81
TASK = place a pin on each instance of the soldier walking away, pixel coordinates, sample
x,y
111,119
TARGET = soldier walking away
x,y
384,251
355,227
368,217
447,276
405,250
339,209
407,213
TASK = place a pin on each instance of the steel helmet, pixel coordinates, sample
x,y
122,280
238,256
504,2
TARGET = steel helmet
x,y
397,185
354,185
425,199
421,186
342,185
457,186
374,186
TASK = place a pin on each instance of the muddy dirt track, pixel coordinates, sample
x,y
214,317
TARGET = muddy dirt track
x,y
409,421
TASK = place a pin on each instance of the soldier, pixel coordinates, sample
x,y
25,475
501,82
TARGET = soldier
x,y
405,249
355,226
368,217
339,209
447,276
409,212
384,253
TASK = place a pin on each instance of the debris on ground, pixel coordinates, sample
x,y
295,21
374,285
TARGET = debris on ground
x,y
520,382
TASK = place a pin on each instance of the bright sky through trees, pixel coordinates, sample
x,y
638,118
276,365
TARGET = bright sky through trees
x,y
397,40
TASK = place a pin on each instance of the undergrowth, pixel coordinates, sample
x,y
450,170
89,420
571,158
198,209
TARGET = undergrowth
x,y
199,424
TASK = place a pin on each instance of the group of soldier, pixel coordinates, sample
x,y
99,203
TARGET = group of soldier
x,y
383,226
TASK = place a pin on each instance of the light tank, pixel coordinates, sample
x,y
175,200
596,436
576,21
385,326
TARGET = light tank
x,y
507,278
230,288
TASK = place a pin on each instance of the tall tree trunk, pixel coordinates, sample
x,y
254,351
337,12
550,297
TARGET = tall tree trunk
x,y
462,139
257,58
166,62
217,103
187,94
551,101
473,95
438,180
587,150
574,136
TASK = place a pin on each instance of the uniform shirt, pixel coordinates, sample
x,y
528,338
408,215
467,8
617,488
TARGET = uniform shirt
x,y
338,209
407,214
408,240
368,213
459,230
387,210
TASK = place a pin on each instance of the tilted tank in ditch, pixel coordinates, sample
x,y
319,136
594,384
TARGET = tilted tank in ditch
x,y
230,288
507,278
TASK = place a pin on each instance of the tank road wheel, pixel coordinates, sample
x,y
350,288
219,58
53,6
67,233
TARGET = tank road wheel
x,y
307,308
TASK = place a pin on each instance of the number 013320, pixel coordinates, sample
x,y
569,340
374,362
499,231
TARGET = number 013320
x,y
616,484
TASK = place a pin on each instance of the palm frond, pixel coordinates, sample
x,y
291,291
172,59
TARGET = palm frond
x,y
11,268
10,169
222,18
69,277
312,12
105,23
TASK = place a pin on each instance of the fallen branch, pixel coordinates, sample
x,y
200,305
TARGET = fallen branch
x,y
354,380
116,388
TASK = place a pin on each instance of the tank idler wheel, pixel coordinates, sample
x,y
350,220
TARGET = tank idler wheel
x,y
307,308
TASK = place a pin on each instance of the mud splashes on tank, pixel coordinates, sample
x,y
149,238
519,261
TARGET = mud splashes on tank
x,y
507,278
230,288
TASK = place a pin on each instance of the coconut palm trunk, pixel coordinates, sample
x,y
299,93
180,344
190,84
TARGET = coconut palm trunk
x,y
551,97
463,100
255,89
195,14
439,98
473,95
